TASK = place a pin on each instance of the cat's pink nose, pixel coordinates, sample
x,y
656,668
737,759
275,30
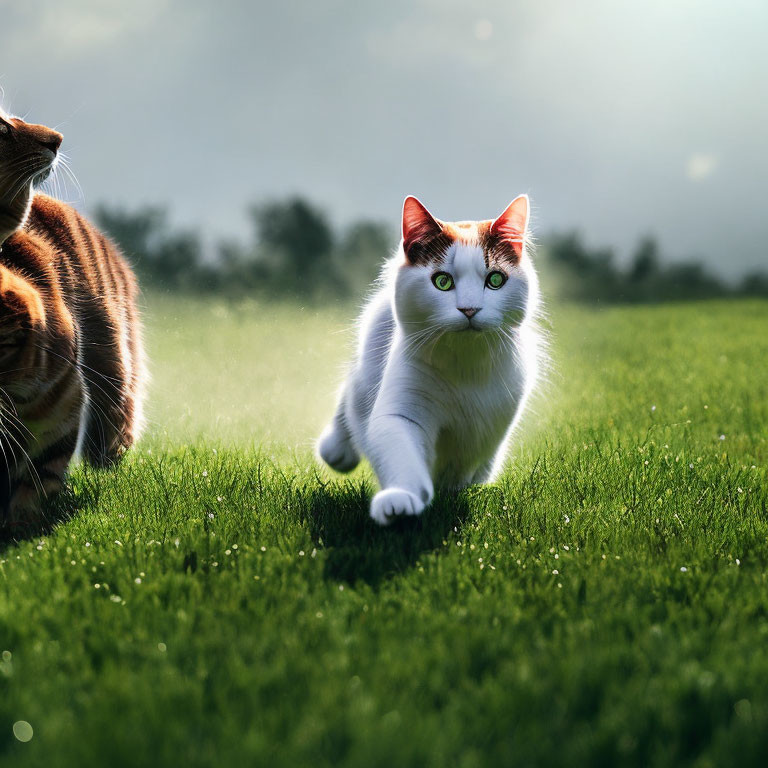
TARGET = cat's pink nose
x,y
469,311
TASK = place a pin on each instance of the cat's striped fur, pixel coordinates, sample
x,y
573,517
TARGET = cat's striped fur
x,y
71,358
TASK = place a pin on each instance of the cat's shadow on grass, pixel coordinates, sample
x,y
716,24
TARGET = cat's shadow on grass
x,y
54,513
357,549
336,514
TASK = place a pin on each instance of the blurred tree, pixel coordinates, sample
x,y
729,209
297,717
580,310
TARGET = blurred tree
x,y
755,284
170,259
138,232
688,280
645,262
362,252
583,274
295,241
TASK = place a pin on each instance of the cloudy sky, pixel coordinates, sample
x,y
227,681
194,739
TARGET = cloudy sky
x,y
619,118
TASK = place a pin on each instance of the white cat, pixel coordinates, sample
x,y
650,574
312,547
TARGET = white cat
x,y
448,353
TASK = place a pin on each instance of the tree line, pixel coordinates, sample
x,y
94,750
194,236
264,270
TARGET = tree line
x,y
592,274
294,250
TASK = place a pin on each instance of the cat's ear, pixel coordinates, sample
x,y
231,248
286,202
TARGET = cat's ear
x,y
512,224
418,223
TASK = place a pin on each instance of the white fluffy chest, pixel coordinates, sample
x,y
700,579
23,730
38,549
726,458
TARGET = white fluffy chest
x,y
464,418
474,424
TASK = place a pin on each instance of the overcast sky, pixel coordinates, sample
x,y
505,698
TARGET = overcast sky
x,y
619,118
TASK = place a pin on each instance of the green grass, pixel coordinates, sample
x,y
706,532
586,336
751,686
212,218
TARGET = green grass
x,y
221,600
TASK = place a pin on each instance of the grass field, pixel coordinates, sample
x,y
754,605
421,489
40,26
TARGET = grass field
x,y
221,600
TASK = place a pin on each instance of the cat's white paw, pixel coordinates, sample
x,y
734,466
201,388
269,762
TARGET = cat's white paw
x,y
393,502
336,450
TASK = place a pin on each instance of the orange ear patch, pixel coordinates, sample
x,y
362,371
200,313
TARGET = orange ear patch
x,y
418,222
512,224
425,239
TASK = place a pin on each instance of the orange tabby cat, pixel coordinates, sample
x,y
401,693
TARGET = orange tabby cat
x,y
71,357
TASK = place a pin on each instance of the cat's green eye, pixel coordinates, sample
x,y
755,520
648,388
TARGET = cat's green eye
x,y
495,280
442,281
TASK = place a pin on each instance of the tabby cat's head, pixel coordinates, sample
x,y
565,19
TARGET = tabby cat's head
x,y
464,276
28,154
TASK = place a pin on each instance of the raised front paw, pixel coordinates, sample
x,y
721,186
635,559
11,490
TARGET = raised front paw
x,y
392,502
336,450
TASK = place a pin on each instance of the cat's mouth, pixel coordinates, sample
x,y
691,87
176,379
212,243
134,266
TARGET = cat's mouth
x,y
44,174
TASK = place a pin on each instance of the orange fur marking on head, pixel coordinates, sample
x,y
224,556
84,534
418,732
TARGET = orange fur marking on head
x,y
426,238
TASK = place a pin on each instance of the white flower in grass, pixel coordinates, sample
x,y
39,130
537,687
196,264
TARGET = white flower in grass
x,y
22,730
683,569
